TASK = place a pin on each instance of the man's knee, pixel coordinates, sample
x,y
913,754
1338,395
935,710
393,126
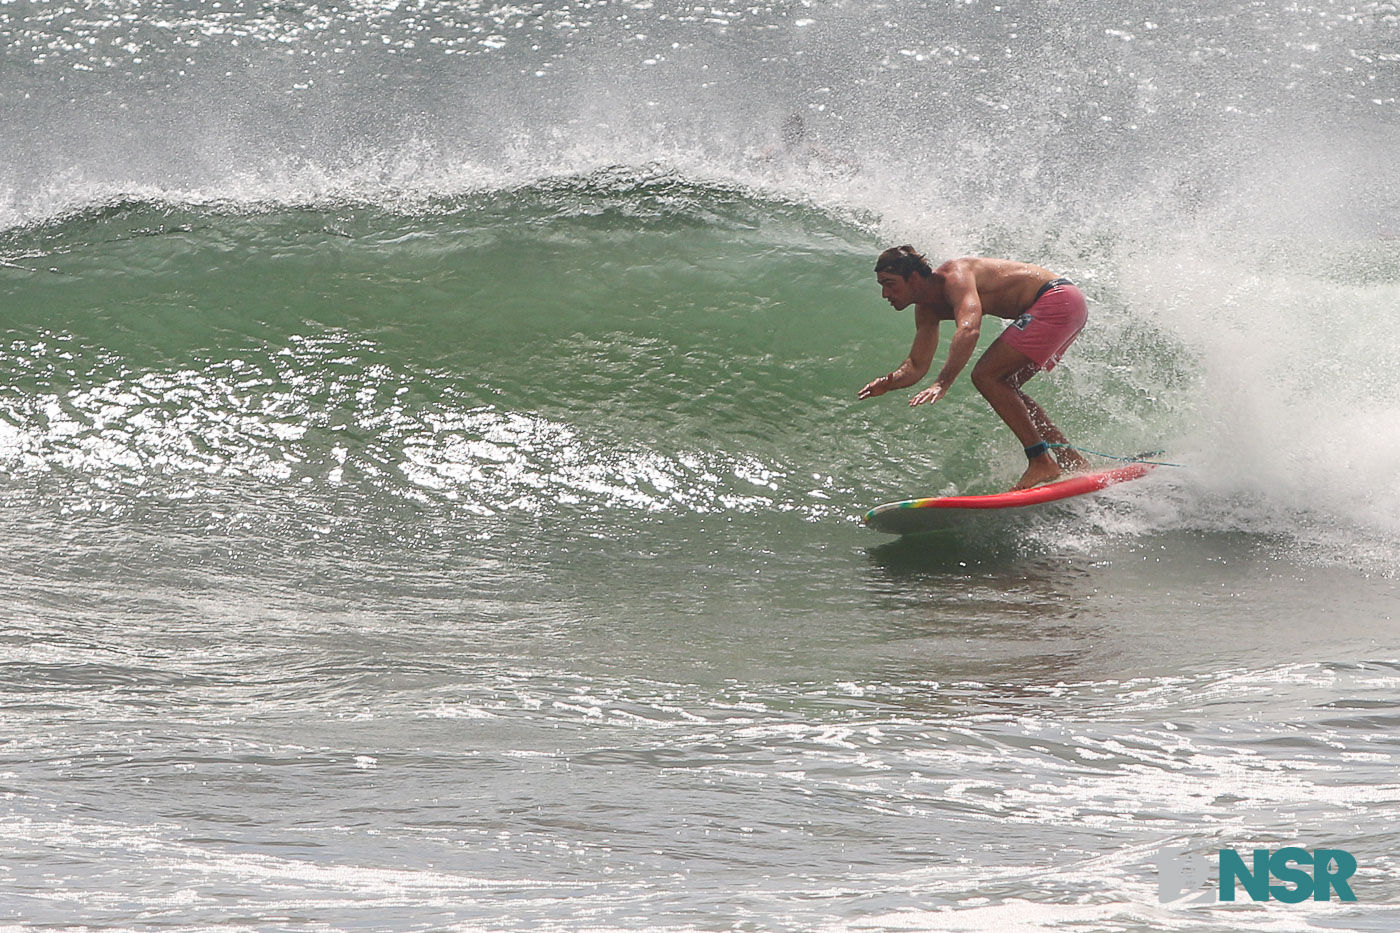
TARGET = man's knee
x,y
986,378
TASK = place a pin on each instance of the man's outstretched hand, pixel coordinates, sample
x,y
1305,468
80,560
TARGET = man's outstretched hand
x,y
932,394
875,387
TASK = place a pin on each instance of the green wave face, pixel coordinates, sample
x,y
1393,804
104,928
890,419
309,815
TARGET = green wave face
x,y
633,343
615,348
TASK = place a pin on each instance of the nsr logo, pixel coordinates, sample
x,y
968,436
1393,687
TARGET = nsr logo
x,y
1179,873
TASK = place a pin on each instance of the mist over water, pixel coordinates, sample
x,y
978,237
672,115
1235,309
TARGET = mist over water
x,y
430,460
1000,109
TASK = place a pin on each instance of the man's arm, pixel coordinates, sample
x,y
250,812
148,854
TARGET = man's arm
x,y
960,285
917,364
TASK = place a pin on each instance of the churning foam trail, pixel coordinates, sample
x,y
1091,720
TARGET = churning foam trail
x,y
1294,428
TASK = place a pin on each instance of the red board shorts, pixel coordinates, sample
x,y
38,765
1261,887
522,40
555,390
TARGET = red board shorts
x,y
1050,324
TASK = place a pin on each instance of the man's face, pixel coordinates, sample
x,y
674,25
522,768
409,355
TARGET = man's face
x,y
895,289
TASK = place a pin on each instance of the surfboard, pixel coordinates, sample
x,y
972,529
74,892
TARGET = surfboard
x,y
912,516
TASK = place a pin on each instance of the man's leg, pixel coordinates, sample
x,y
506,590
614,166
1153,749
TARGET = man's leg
x,y
999,375
1067,457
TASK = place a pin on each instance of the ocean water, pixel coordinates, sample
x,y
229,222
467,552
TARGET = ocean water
x,y
431,465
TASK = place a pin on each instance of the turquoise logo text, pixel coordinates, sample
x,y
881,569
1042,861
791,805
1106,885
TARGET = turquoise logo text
x,y
1291,874
1330,870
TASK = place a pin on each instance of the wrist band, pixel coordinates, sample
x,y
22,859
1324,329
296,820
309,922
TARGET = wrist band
x,y
1035,450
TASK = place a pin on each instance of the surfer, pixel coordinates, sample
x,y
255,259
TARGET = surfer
x,y
1046,314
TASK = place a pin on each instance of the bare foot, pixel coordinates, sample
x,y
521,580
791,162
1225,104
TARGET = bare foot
x,y
1040,470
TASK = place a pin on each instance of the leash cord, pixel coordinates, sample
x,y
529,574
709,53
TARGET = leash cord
x,y
1140,458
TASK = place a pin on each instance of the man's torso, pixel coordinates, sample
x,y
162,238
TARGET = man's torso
x,y
1005,288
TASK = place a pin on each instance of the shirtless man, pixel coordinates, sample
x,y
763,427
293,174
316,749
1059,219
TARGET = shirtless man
x,y
1046,314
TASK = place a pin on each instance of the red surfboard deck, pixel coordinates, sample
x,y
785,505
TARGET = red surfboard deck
x,y
914,515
